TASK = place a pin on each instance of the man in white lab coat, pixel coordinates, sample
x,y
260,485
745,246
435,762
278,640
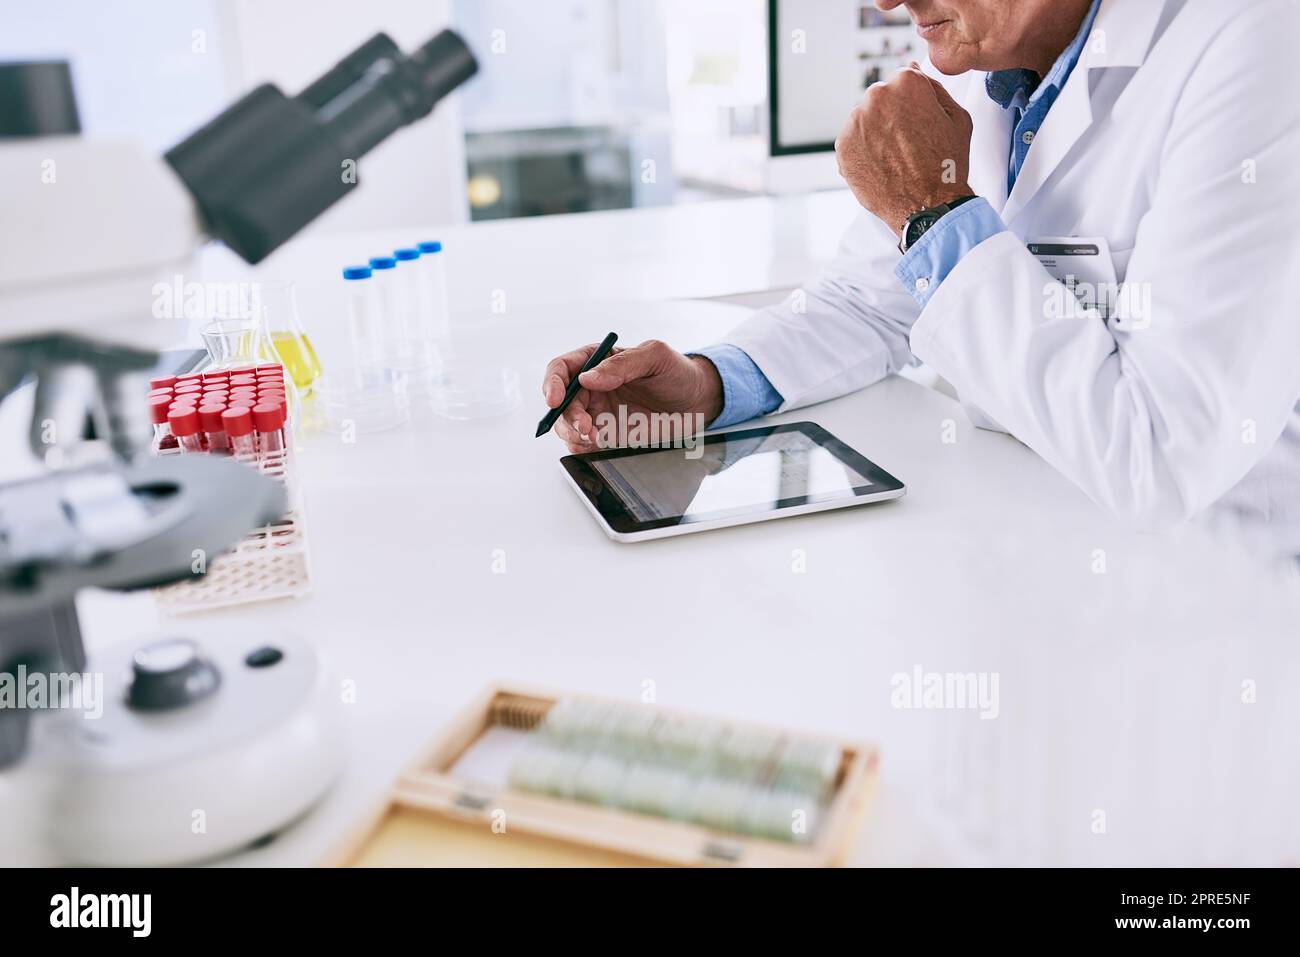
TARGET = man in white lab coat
x,y
1149,146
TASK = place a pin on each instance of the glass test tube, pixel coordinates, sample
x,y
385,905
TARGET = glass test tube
x,y
184,422
363,317
238,423
268,419
214,430
159,406
434,307
390,309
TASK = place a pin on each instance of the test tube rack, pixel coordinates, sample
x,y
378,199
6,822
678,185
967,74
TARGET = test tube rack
x,y
269,562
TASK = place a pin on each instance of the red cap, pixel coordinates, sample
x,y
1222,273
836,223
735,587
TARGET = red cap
x,y
211,384
188,388
268,416
189,377
154,392
184,421
159,406
269,367
216,395
244,379
210,418
213,375
163,382
237,421
241,402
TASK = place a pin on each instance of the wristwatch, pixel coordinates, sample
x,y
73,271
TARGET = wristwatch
x,y
919,222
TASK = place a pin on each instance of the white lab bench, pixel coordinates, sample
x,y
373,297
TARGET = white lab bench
x,y
448,555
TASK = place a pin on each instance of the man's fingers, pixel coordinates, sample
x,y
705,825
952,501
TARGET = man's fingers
x,y
946,102
561,370
574,427
625,366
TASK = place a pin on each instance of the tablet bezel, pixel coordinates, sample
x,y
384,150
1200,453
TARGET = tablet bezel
x,y
606,504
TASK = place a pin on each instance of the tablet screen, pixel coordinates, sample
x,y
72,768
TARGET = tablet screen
x,y
726,475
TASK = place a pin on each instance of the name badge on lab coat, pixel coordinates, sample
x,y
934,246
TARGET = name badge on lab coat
x,y
1083,266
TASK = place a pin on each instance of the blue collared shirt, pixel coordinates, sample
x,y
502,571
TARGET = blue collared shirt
x,y
927,263
748,393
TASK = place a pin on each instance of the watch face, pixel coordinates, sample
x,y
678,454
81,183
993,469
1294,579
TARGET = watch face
x,y
918,224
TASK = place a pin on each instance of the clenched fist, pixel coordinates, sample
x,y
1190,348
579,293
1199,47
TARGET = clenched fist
x,y
905,147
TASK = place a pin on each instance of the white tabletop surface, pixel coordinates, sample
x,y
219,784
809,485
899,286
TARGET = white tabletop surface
x,y
1123,733
1119,657
694,251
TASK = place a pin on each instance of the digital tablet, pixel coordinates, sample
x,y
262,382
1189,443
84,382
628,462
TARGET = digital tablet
x,y
728,478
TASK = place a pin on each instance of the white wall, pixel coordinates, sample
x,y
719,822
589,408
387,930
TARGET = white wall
x,y
156,70
417,176
147,70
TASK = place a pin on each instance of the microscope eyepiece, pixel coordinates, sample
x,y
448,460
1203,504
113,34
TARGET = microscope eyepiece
x,y
270,164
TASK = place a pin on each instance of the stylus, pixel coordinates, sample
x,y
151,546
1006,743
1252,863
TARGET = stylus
x,y
596,359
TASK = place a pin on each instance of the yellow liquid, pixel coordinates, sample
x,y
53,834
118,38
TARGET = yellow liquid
x,y
299,358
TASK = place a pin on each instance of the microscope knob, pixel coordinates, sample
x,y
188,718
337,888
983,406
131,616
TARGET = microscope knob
x,y
170,674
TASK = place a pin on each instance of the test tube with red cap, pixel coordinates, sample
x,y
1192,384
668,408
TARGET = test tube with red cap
x,y
159,406
184,422
238,424
268,419
214,429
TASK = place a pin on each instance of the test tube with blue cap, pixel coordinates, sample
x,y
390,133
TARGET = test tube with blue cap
x,y
365,393
363,318
417,351
433,271
387,293
470,380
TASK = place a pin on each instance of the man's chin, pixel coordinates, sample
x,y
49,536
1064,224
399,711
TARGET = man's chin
x,y
948,62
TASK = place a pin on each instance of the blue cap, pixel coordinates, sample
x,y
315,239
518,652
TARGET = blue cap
x,y
405,255
356,272
383,262
433,247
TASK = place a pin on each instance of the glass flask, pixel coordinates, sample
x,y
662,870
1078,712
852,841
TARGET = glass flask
x,y
284,340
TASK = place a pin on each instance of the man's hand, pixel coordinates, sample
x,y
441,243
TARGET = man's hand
x,y
905,147
645,380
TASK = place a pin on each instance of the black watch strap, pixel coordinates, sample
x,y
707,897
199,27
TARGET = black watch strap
x,y
919,223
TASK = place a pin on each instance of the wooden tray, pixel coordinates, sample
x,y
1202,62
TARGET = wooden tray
x,y
434,818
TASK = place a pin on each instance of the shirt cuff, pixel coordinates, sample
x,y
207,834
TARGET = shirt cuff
x,y
927,263
746,392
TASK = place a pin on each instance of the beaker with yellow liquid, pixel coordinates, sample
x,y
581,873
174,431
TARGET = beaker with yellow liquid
x,y
283,338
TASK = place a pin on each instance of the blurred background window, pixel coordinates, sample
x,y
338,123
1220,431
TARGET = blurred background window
x,y
579,105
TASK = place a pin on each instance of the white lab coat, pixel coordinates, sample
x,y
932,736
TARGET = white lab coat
x,y
1177,138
